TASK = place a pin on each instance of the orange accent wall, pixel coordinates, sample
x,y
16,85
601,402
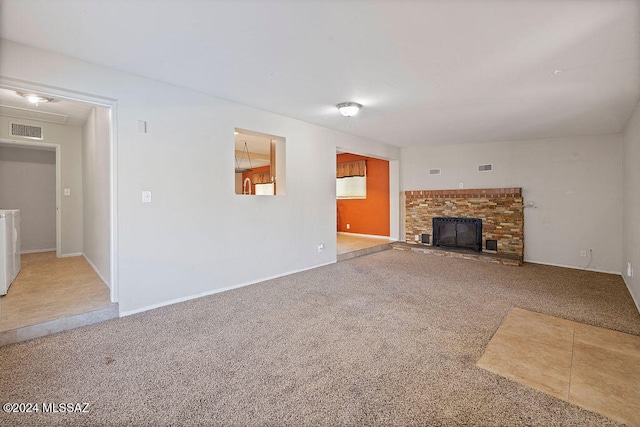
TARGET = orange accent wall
x,y
370,215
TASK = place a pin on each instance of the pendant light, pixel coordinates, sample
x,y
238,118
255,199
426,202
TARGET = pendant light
x,y
240,169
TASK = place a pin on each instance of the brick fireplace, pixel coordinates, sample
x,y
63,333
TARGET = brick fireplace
x,y
500,209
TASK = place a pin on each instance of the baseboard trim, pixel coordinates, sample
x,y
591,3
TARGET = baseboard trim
x,y
633,297
595,270
37,251
71,254
106,282
217,291
373,236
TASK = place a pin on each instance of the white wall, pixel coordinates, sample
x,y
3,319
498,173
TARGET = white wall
x,y
574,182
28,183
631,204
198,236
70,140
95,191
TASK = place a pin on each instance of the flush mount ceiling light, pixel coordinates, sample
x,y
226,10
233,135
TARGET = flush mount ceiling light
x,y
349,109
34,98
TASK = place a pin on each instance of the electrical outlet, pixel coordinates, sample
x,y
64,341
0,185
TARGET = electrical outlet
x,y
583,252
320,247
417,237
461,185
348,226
629,270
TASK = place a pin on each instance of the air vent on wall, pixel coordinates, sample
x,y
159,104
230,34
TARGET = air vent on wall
x,y
485,168
434,171
26,131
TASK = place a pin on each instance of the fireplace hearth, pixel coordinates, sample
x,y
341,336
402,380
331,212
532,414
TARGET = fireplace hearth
x,y
463,233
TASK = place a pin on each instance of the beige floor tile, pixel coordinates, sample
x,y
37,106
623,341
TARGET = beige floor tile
x,y
605,338
50,288
349,243
543,367
604,366
607,382
539,327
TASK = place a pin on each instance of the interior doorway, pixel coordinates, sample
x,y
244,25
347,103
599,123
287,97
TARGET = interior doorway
x,y
78,130
30,177
363,203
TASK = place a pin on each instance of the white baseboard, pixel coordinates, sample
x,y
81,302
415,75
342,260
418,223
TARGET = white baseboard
x,y
106,282
37,251
373,236
595,270
216,291
71,254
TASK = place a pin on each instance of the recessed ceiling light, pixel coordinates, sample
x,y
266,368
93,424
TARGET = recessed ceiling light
x,y
349,109
34,98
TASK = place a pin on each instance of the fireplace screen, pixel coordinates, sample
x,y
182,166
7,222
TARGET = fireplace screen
x,y
458,233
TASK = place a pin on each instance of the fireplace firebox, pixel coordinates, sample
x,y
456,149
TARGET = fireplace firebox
x,y
465,233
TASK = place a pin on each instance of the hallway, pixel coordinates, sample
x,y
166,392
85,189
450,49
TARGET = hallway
x,y
50,288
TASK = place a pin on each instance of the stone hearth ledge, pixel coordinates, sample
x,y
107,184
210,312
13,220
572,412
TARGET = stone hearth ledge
x,y
458,253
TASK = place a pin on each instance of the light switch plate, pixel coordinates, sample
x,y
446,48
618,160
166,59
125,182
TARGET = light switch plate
x,y
146,197
141,126
67,191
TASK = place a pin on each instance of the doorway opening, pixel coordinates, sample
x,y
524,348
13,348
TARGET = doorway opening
x,y
71,275
363,204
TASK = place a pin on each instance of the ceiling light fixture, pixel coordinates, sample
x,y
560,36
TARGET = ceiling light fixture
x,y
349,109
239,167
34,98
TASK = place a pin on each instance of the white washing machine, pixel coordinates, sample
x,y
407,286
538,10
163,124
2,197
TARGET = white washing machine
x,y
17,249
9,248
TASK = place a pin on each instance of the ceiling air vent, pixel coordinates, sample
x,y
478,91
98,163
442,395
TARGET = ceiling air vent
x,y
434,171
485,168
26,131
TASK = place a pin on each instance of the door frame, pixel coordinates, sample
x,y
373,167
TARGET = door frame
x,y
111,105
46,145
395,226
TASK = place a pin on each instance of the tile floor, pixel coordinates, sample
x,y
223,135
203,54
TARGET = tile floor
x,y
49,288
595,368
350,243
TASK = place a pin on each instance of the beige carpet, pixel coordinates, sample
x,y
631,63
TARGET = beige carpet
x,y
386,339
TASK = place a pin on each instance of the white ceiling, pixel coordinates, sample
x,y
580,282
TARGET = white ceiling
x,y
59,111
427,72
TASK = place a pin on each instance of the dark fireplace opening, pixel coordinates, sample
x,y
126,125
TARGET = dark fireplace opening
x,y
463,233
